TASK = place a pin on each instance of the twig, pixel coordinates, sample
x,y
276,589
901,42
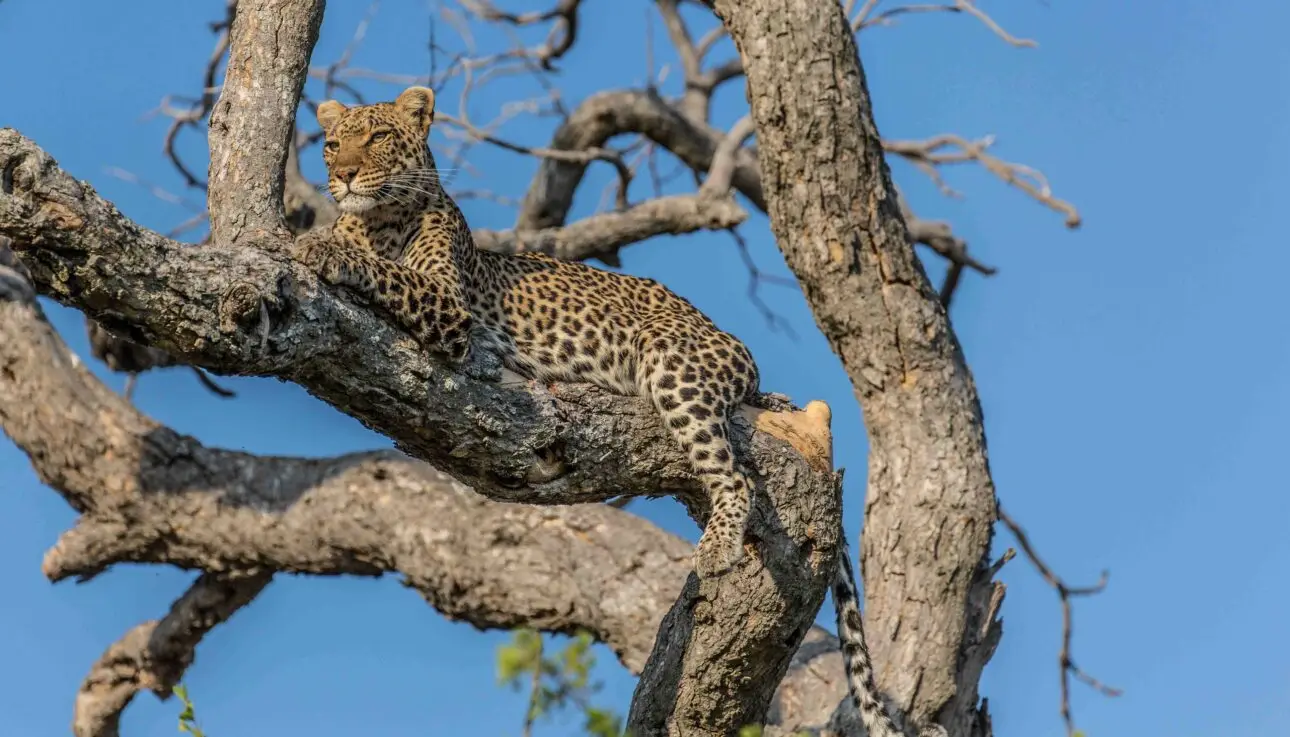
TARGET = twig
x,y
863,19
330,82
201,107
1064,592
723,160
583,156
535,688
930,153
561,37
755,278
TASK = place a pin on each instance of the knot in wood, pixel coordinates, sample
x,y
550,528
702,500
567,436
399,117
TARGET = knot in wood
x,y
240,304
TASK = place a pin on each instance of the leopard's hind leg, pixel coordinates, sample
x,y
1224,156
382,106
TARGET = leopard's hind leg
x,y
695,387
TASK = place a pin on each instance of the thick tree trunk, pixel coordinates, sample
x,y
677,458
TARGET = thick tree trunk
x,y
930,501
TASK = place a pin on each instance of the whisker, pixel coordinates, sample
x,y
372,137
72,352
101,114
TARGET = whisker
x,y
427,172
416,179
410,192
408,187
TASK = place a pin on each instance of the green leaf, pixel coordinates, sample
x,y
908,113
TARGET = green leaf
x,y
187,717
519,658
601,723
563,679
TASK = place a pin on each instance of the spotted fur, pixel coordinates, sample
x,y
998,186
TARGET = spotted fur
x,y
402,241
855,652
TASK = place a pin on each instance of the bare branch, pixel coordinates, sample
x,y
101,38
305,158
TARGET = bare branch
x,y
582,156
938,236
251,125
155,654
605,115
561,38
608,114
201,107
1065,664
722,170
242,310
330,81
969,6
864,19
602,236
929,154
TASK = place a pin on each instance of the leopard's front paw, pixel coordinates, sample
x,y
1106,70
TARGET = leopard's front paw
x,y
319,250
481,364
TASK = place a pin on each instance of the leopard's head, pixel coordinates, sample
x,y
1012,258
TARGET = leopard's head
x,y
377,154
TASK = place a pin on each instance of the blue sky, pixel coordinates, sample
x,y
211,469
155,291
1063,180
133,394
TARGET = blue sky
x,y
1134,374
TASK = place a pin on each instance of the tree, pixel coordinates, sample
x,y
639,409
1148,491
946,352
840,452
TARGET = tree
x,y
237,306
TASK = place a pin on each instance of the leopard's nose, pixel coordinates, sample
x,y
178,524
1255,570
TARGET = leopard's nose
x,y
346,174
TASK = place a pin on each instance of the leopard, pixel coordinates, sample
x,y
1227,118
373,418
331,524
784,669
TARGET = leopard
x,y
403,243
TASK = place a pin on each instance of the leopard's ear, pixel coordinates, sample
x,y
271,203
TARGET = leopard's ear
x,y
418,104
328,113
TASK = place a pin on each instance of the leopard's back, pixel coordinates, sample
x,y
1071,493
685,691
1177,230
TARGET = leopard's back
x,y
555,320
406,246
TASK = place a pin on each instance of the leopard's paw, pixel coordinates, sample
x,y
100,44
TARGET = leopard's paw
x,y
319,250
481,365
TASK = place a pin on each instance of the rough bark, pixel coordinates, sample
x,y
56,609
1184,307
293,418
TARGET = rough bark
x,y
239,307
605,115
930,508
252,124
560,569
155,654
210,306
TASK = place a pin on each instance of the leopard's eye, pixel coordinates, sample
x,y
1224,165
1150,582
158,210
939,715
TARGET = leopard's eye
x,y
379,136
332,145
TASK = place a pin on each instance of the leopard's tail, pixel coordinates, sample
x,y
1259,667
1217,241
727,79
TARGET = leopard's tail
x,y
855,653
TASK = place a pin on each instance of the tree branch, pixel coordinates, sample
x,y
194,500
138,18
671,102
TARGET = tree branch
x,y
1065,663
242,310
155,654
601,236
930,499
253,122
607,114
560,569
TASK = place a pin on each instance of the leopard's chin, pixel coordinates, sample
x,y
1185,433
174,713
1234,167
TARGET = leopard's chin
x,y
356,203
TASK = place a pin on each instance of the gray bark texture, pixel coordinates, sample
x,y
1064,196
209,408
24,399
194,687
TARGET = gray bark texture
x,y
245,310
726,652
238,306
496,565
252,124
930,505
